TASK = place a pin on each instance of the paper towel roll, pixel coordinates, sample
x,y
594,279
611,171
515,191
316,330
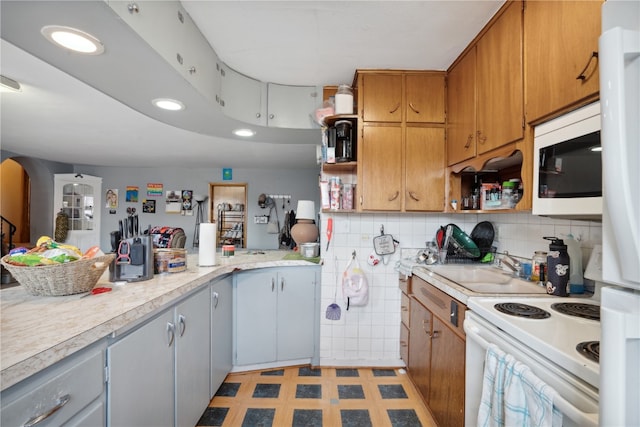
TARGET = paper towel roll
x,y
207,245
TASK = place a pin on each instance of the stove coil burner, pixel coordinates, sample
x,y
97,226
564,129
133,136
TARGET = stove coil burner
x,y
586,311
522,310
590,350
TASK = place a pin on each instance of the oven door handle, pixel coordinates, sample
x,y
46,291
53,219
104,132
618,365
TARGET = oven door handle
x,y
582,418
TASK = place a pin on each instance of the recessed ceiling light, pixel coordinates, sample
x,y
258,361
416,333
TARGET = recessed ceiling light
x,y
244,132
73,39
9,85
168,104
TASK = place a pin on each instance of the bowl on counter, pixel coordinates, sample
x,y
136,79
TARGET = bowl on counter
x,y
310,250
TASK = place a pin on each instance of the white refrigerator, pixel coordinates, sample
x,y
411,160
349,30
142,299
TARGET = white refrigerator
x,y
619,58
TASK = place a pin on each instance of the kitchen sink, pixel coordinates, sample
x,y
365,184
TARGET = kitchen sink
x,y
486,279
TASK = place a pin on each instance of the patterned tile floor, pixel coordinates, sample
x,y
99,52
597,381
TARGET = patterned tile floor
x,y
305,397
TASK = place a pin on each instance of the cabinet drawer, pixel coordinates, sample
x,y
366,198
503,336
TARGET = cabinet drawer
x,y
404,344
405,306
76,380
448,309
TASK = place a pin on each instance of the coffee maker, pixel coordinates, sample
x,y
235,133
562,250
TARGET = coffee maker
x,y
344,141
134,261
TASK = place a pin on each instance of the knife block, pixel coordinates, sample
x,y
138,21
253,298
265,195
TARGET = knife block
x,y
142,263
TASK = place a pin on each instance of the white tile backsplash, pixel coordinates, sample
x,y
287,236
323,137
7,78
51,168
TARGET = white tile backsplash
x,y
369,335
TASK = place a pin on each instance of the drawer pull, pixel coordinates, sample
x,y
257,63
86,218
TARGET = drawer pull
x,y
39,418
216,296
393,110
395,196
415,110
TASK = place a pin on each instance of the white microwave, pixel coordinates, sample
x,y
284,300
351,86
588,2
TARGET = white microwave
x,y
567,165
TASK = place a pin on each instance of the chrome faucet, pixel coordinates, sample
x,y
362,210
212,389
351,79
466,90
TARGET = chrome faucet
x,y
512,263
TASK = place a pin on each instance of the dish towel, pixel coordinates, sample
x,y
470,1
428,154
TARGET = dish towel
x,y
513,396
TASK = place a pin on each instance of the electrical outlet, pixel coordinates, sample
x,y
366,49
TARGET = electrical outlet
x,y
260,219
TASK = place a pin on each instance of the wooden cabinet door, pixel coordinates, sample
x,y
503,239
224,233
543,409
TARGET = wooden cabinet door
x,y
380,183
560,39
424,98
500,96
446,394
420,348
424,169
461,100
382,97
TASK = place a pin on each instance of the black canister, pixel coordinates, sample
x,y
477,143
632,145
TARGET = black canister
x,y
557,267
343,141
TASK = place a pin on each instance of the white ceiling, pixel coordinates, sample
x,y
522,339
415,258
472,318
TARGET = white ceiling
x,y
61,118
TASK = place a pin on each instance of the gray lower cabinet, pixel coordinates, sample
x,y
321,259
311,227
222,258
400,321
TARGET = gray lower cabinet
x,y
221,331
71,392
158,374
275,315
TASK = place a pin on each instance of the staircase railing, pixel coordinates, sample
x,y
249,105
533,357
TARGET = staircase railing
x,y
12,230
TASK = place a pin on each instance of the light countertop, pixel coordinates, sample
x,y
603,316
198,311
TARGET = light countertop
x,y
37,331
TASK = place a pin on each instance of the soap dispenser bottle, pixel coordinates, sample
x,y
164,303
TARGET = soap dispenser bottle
x,y
557,267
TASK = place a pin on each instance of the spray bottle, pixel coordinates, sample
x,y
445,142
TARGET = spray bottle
x,y
557,267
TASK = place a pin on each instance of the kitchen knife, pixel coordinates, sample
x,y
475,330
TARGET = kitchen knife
x,y
130,226
121,229
329,231
135,225
125,222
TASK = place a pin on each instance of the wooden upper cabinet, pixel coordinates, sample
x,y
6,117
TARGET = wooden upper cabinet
x,y
461,117
485,92
424,169
560,40
500,96
424,98
382,97
380,163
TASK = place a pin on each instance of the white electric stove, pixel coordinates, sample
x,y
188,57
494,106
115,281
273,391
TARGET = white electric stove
x,y
560,343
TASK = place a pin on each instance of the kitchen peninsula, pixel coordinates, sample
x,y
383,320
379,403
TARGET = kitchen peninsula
x,y
42,333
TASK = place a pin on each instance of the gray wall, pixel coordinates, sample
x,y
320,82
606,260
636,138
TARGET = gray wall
x,y
300,184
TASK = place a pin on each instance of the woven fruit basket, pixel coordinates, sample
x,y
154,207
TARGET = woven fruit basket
x,y
70,278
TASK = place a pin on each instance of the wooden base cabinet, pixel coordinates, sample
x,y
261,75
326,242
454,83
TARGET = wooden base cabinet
x,y
158,374
275,315
437,351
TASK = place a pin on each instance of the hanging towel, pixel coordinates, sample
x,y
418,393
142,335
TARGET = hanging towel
x,y
514,396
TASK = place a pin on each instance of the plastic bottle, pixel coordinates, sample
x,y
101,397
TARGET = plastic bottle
x,y
557,267
539,258
576,281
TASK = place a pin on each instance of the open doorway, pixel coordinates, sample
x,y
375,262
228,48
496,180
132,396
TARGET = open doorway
x,y
14,204
228,211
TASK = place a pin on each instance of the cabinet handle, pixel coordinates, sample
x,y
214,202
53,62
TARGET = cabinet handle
x,y
582,76
404,308
171,333
469,141
258,115
271,116
481,138
273,284
133,8
215,299
403,344
281,284
395,109
434,334
413,108
192,70
39,418
395,196
182,323
413,196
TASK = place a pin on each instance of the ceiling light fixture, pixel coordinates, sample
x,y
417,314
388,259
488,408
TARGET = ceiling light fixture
x,y
73,39
168,104
9,85
244,132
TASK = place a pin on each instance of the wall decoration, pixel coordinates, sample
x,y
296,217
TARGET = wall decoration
x,y
227,174
173,202
154,189
132,194
111,198
149,206
187,200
